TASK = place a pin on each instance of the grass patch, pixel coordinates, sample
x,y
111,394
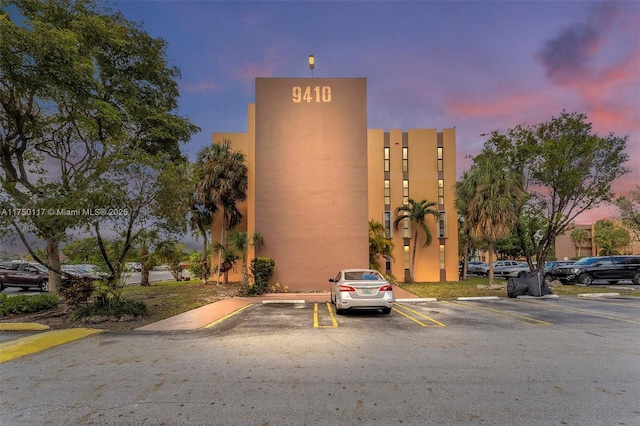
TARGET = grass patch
x,y
469,288
165,299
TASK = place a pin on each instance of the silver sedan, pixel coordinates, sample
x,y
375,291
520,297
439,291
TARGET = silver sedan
x,y
361,289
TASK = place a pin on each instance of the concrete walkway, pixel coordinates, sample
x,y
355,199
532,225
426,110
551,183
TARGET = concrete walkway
x,y
205,315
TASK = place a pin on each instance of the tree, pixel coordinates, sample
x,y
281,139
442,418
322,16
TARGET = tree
x,y
493,204
630,212
173,254
416,213
223,183
609,237
241,241
379,244
579,236
79,87
567,170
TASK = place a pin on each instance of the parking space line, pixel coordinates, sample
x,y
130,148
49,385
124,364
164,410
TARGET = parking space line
x,y
38,342
416,313
606,315
316,323
497,312
237,311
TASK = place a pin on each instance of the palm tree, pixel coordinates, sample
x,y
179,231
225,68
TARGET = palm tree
x,y
241,241
379,244
579,236
223,183
416,212
496,196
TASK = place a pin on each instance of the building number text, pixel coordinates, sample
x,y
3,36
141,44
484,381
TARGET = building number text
x,y
311,94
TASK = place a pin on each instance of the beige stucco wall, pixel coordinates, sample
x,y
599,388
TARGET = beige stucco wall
x,y
316,176
311,178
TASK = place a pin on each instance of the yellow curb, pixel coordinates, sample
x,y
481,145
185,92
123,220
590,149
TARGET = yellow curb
x,y
31,344
22,326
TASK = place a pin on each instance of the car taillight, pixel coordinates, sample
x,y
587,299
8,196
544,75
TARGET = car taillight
x,y
386,288
346,288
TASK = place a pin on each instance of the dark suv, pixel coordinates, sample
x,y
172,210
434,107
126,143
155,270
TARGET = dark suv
x,y
608,268
23,274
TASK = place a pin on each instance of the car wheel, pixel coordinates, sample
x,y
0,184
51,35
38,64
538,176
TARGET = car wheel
x,y
1,285
636,278
339,311
386,310
585,279
43,285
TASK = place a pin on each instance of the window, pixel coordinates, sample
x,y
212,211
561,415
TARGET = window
x,y
407,260
387,164
387,192
405,191
406,228
405,159
387,224
440,191
440,160
442,225
441,256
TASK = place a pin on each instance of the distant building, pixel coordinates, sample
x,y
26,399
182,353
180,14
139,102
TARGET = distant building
x,y
567,249
317,175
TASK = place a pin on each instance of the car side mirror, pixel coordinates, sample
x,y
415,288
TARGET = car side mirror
x,y
331,280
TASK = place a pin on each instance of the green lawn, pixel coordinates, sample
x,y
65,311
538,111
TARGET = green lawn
x,y
469,288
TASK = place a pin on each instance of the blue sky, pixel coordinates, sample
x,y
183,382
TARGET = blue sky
x,y
478,66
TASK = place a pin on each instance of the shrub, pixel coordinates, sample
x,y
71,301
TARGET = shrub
x,y
77,292
262,269
23,304
115,309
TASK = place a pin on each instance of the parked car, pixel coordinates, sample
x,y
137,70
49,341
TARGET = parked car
x,y
353,289
549,266
23,274
475,267
520,270
133,267
609,268
484,270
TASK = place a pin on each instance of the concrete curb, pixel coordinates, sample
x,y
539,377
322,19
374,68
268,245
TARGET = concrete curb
x,y
546,296
292,301
599,295
23,326
479,298
417,299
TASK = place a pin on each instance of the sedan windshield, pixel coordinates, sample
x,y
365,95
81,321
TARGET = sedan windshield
x,y
362,275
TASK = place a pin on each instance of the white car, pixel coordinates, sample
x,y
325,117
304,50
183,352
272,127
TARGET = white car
x,y
353,289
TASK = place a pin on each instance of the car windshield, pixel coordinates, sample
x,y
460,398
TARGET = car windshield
x,y
39,267
587,261
362,275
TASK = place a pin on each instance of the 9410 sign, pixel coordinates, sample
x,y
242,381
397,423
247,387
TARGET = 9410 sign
x,y
311,94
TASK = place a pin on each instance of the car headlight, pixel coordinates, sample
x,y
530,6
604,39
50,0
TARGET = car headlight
x,y
574,270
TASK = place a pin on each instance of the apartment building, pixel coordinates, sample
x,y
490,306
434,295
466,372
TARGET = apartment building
x,y
317,175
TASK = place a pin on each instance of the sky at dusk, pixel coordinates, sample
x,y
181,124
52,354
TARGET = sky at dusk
x,y
479,66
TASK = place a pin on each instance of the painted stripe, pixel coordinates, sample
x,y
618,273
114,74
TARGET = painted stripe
x,y
23,326
237,311
497,312
420,314
316,322
410,317
13,349
592,313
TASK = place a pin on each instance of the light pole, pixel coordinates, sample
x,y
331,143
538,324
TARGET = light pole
x,y
312,63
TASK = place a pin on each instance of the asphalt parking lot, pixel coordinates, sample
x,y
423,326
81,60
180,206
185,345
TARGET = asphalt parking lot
x,y
524,361
405,316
